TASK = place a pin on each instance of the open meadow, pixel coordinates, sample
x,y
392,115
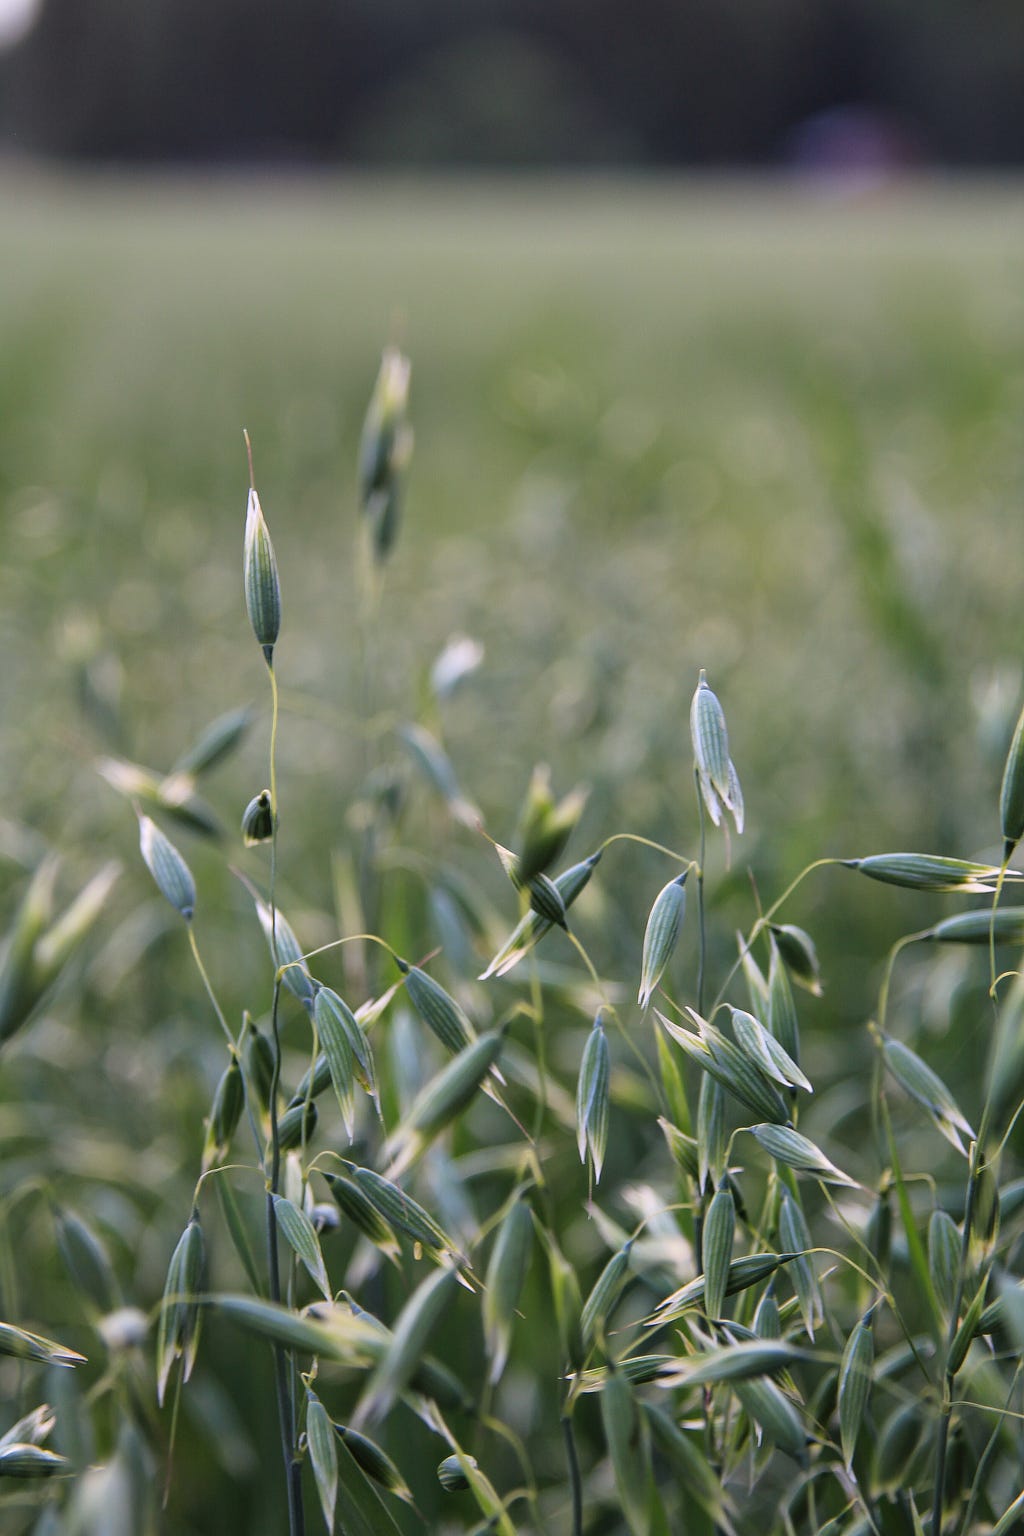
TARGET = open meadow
x,y
762,430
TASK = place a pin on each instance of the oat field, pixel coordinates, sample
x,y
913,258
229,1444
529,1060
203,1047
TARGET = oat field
x,y
726,1164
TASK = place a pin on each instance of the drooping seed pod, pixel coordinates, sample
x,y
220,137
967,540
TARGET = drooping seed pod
x,y
87,1261
217,741
782,1017
374,1462
712,1140
767,1051
1011,798
506,1274
775,1415
286,952
917,1079
930,872
300,1235
797,949
297,1124
716,775
592,1098
438,1010
795,1238
258,820
744,1272
262,587
258,1057
855,1385
323,1455
26,1461
452,1475
797,1151
398,1209
364,1213
172,875
661,935
546,900
180,1314
544,826
225,1113
944,1245
382,451
406,1347
608,1288
628,1450
533,927
982,926
719,1230
22,1345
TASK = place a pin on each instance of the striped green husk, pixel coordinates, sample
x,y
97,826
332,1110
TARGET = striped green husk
x,y
262,587
730,1065
347,1050
323,1455
794,1236
296,1125
533,927
928,1089
719,1231
440,1012
506,1275
334,1332
773,1059
1011,796
782,1019
300,1234
285,951
797,950
258,820
22,1460
854,1385
363,1213
23,1345
929,872
711,1131
944,1257
398,1210
592,1098
180,1315
374,1462
661,935
775,1414
797,1151
629,1451
607,1289
1006,927
172,875
738,1361
405,1348
637,1369
86,1261
744,1272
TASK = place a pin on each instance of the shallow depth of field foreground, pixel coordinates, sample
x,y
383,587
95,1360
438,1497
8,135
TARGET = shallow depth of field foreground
x,y
509,1011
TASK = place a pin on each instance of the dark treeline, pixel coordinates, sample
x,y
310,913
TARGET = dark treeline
x,y
521,82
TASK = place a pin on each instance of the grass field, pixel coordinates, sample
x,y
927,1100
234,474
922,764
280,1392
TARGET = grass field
x,y
756,429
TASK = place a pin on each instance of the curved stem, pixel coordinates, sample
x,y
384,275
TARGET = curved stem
x,y
209,988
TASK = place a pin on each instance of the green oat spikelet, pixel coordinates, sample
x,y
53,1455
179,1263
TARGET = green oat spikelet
x,y
1011,795
180,1313
719,1231
262,587
716,775
258,820
172,875
323,1455
661,935
592,1099
506,1275
855,1385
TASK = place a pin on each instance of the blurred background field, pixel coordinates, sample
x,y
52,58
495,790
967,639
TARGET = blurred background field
x,y
659,425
